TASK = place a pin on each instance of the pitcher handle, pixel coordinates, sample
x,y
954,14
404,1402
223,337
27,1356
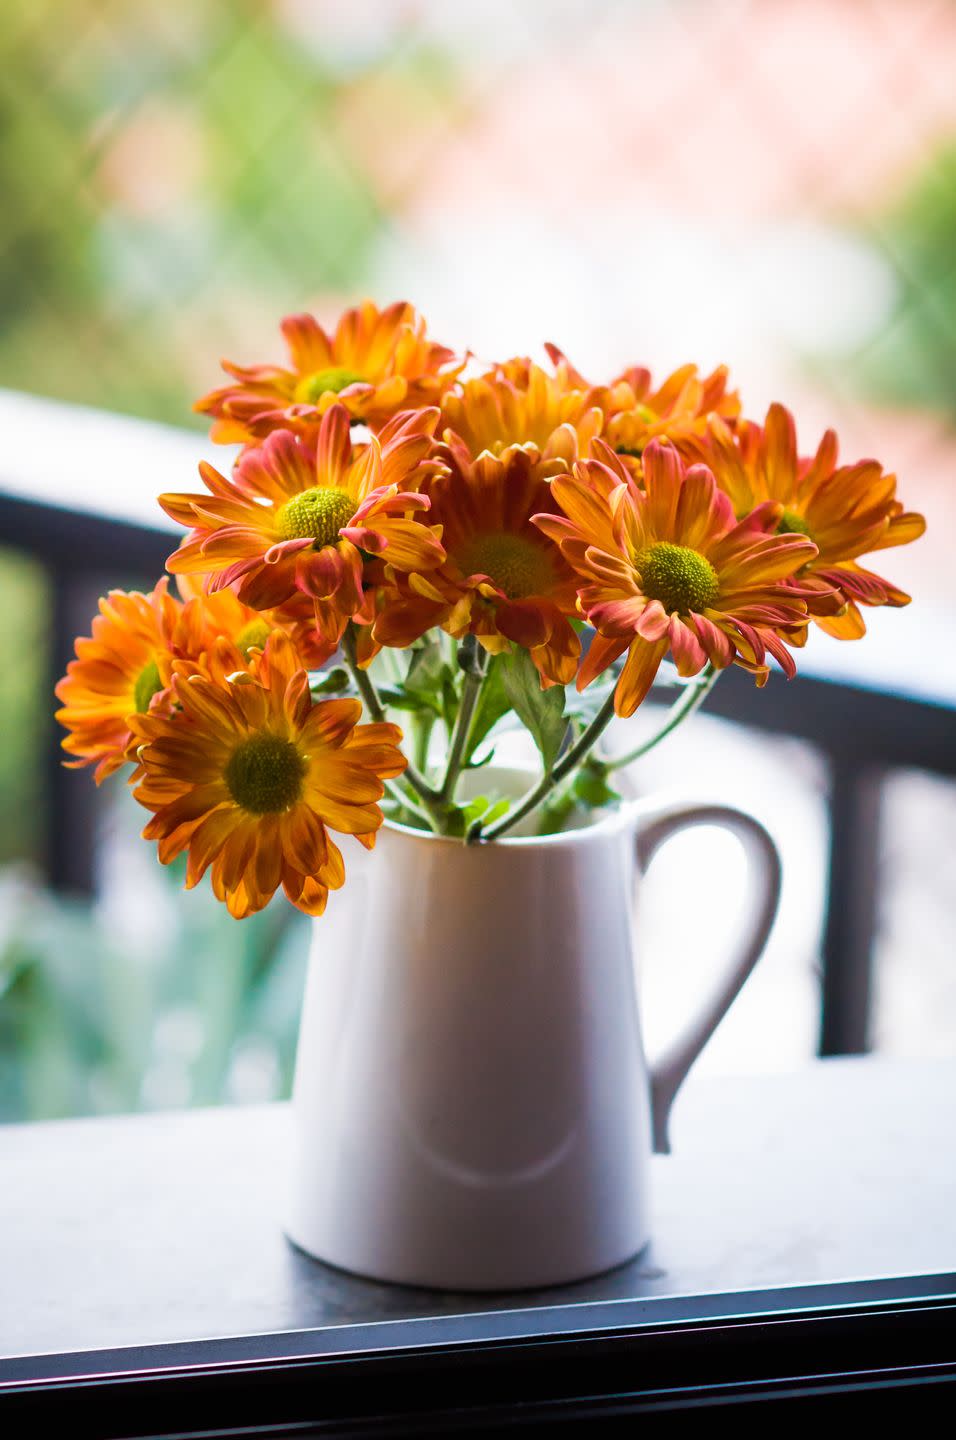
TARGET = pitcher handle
x,y
668,1074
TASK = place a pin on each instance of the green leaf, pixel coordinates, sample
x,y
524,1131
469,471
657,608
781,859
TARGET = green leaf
x,y
395,698
425,669
455,825
558,811
429,684
592,789
332,683
425,682
484,808
493,703
540,711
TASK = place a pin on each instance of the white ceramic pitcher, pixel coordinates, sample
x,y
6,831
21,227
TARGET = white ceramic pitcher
x,y
472,1105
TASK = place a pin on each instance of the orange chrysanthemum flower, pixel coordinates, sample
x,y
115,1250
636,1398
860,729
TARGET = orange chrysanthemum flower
x,y
637,412
219,629
502,580
249,776
118,672
846,510
520,406
376,363
126,667
297,517
668,568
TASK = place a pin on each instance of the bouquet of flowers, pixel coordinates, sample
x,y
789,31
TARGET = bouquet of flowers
x,y
405,534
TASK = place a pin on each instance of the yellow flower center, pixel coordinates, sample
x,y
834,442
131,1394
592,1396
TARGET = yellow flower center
x,y
680,578
264,774
517,566
148,684
335,378
319,513
792,524
253,636
635,447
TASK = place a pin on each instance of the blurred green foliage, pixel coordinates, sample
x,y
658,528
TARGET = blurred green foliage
x,y
25,721
913,361
176,176
172,1003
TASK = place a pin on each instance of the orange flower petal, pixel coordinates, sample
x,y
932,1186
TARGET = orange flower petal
x,y
642,664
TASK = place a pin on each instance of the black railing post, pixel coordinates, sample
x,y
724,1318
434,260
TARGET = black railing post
x,y
851,907
890,731
84,555
72,800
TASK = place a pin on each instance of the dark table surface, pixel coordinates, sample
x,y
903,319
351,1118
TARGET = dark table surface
x,y
166,1229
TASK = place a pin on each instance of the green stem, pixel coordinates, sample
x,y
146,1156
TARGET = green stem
x,y
376,711
421,728
403,798
692,698
571,757
457,751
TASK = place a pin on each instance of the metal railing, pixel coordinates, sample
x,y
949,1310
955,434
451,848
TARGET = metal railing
x,y
863,731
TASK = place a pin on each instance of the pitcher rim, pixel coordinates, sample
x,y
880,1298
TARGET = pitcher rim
x,y
624,816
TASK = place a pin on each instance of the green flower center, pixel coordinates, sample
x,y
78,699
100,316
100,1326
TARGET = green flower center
x,y
517,566
792,524
335,378
319,513
680,578
253,636
264,774
147,685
